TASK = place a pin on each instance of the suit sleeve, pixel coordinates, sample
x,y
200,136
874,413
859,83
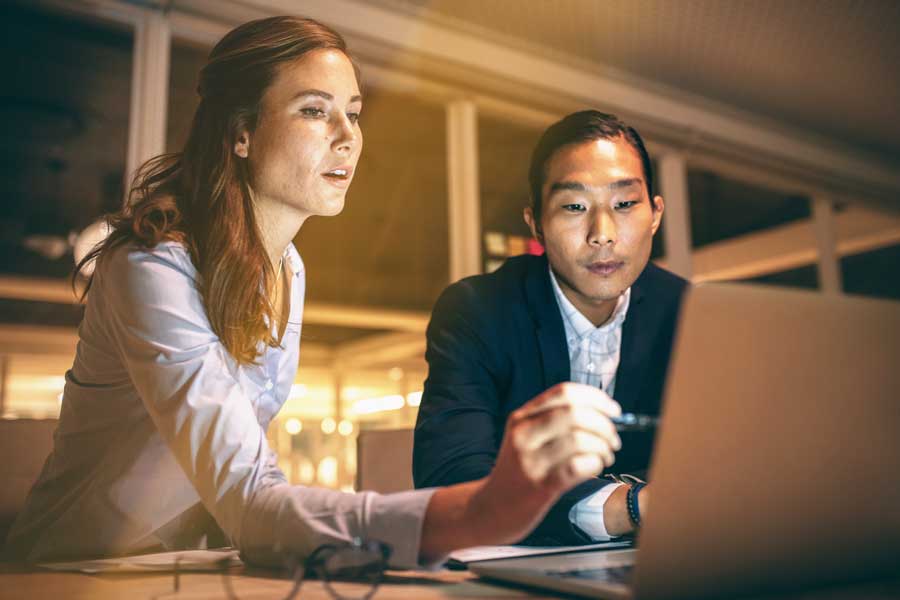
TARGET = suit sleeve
x,y
457,434
461,422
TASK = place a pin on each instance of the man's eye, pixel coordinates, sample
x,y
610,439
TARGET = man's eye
x,y
625,205
573,207
312,112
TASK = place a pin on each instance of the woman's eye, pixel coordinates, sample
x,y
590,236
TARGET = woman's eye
x,y
353,117
312,112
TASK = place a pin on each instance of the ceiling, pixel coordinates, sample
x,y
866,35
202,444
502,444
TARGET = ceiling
x,y
829,67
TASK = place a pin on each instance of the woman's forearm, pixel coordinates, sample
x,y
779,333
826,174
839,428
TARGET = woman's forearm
x,y
477,513
449,521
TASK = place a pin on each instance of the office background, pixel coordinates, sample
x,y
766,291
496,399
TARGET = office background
x,y
774,128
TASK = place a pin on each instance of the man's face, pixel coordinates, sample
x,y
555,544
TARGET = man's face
x,y
597,222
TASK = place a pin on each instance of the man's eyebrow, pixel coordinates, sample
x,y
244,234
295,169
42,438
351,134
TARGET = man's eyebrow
x,y
622,183
322,94
577,186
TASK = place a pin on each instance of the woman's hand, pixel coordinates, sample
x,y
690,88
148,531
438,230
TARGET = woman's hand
x,y
554,442
557,440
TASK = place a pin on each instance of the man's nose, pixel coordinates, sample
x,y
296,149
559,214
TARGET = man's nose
x,y
603,229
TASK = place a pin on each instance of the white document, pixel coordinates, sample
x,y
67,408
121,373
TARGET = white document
x,y
186,560
478,553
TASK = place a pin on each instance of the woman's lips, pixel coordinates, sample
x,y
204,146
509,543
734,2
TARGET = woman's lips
x,y
339,177
605,269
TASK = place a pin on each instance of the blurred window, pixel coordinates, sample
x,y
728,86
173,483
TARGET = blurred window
x,y
725,216
875,273
65,119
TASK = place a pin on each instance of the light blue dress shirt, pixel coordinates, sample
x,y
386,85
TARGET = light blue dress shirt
x,y
157,417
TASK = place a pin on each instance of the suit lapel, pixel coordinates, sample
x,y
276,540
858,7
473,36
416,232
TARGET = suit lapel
x,y
637,345
549,330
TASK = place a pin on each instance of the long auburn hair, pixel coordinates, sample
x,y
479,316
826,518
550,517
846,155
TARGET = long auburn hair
x,y
201,196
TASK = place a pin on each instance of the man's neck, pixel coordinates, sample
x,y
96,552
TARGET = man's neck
x,y
597,313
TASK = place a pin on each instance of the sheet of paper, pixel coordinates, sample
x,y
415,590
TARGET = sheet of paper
x,y
188,560
478,553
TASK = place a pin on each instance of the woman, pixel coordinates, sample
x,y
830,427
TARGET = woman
x,y
190,342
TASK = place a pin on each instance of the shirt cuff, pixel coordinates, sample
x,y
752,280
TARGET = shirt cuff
x,y
587,514
397,520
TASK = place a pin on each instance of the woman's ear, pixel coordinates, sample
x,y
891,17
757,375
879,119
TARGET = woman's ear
x,y
242,144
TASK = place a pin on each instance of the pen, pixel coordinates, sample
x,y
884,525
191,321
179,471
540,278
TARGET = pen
x,y
635,422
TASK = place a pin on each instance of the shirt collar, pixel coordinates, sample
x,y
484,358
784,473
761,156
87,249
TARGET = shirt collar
x,y
580,324
293,260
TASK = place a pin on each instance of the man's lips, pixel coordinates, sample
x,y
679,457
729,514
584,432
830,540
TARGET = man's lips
x,y
605,268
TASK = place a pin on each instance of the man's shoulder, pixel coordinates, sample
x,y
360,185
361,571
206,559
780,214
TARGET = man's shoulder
x,y
655,279
507,280
502,290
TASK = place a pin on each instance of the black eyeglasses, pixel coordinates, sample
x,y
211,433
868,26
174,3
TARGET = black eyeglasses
x,y
351,571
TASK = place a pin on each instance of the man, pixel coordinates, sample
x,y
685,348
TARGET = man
x,y
591,310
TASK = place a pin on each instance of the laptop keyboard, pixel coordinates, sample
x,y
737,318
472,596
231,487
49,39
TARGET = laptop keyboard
x,y
606,574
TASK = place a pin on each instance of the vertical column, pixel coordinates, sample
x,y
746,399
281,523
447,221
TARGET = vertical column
x,y
677,217
149,91
826,242
4,374
464,206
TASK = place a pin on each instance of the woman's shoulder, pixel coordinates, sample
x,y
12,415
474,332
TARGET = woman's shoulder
x,y
165,257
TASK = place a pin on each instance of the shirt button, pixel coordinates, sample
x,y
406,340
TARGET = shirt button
x,y
269,384
591,367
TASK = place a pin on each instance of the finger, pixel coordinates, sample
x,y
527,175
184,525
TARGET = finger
x,y
562,421
557,451
586,419
575,470
570,393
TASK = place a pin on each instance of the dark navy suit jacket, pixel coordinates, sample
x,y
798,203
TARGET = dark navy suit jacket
x,y
495,341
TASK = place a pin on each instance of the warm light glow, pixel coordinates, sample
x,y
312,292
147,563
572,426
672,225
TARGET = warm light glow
x,y
374,405
414,398
293,426
328,425
326,474
395,374
298,390
345,428
351,393
59,398
307,471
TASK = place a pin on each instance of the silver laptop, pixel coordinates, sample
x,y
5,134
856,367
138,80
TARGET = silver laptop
x,y
777,463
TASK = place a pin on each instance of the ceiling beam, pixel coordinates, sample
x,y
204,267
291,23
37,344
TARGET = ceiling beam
x,y
45,289
686,117
793,245
380,349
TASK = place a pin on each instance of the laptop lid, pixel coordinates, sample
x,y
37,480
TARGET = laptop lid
x,y
777,464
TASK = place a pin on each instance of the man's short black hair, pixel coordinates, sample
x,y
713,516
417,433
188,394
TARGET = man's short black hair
x,y
582,126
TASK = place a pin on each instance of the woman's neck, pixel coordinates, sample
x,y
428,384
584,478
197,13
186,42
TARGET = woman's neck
x,y
278,226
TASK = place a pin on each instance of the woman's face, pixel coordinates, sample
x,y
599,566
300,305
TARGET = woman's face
x,y
307,140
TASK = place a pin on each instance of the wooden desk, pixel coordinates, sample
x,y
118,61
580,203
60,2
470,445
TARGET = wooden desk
x,y
17,583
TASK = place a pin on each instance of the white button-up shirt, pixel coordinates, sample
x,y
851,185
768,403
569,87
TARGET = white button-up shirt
x,y
158,417
594,354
